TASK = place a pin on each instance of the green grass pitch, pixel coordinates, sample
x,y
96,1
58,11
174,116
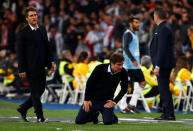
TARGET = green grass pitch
x,y
9,109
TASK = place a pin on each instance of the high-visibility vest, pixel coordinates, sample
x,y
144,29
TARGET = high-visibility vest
x,y
8,79
192,75
176,89
151,80
2,71
62,72
92,66
105,61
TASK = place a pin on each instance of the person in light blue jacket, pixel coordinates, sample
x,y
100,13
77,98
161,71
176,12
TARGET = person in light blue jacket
x,y
132,62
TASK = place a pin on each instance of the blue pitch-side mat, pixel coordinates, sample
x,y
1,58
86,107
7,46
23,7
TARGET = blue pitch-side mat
x,y
56,106
48,106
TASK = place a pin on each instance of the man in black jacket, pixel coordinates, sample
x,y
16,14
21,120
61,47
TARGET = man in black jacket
x,y
163,61
34,55
100,89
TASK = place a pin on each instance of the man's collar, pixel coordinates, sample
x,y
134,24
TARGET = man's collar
x,y
32,28
163,21
110,71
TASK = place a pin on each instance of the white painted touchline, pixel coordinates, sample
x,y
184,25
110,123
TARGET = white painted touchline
x,y
128,119
14,117
142,120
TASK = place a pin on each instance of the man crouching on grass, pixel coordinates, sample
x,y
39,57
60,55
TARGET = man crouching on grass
x,y
100,89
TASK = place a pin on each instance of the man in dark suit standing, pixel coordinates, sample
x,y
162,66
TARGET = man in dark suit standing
x,y
163,61
34,54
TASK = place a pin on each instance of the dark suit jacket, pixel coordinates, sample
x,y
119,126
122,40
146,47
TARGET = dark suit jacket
x,y
28,53
162,45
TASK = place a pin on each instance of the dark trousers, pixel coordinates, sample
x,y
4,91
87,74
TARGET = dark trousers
x,y
107,113
153,92
37,87
165,94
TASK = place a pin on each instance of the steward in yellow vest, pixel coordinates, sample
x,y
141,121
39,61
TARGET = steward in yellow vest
x,y
180,74
183,75
66,67
81,68
151,87
179,77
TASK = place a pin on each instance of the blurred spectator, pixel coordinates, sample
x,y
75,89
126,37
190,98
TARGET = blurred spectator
x,y
11,70
185,22
3,65
56,37
53,14
81,68
94,41
47,22
7,38
190,35
62,21
118,46
180,74
119,28
82,47
107,30
66,69
189,57
71,39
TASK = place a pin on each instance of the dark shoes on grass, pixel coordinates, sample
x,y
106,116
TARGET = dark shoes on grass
x,y
41,119
166,118
23,114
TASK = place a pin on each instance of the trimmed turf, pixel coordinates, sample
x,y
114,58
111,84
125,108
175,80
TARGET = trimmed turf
x,y
9,109
54,126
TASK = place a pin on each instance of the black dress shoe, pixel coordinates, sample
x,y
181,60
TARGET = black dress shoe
x,y
166,118
23,114
41,120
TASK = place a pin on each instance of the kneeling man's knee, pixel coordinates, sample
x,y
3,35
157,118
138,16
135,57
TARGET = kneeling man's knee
x,y
108,122
78,121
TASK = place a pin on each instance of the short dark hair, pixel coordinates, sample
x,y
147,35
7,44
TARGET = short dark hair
x,y
132,18
83,55
162,14
28,9
116,57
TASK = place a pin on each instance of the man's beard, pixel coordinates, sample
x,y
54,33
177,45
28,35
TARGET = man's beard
x,y
136,28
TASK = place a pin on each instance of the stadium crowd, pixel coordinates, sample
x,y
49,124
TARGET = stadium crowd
x,y
84,33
